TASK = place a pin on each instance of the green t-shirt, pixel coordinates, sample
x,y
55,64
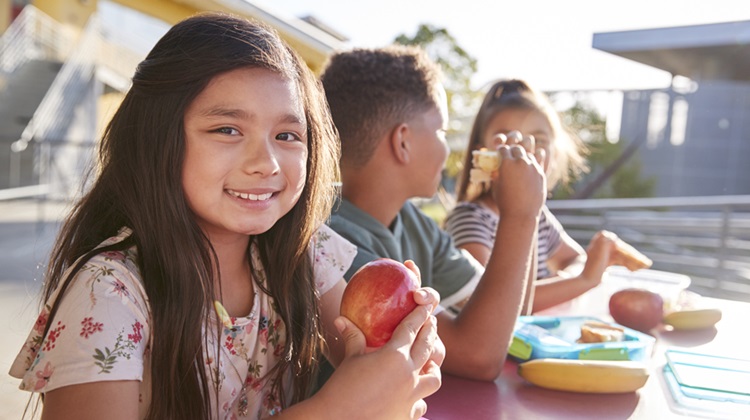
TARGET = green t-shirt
x,y
412,236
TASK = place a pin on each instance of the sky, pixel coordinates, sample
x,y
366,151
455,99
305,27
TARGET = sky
x,y
546,42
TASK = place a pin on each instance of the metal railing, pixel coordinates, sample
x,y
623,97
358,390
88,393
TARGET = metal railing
x,y
55,111
706,238
33,35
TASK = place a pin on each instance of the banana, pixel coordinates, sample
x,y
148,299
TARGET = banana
x,y
588,376
693,319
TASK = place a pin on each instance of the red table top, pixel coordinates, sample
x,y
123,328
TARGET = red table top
x,y
511,397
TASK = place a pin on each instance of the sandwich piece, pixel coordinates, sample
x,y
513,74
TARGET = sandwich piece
x,y
484,162
478,176
599,332
485,159
630,257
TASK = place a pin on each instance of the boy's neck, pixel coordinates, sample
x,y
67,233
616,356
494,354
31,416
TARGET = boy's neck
x,y
374,198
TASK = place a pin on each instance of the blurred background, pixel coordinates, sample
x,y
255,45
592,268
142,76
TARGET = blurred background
x,y
658,90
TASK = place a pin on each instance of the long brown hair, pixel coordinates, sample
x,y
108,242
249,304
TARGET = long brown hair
x,y
569,156
139,185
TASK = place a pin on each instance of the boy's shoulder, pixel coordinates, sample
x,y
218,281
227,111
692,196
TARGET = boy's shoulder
x,y
354,224
361,228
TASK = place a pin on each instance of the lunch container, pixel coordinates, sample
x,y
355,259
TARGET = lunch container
x,y
537,337
664,283
708,385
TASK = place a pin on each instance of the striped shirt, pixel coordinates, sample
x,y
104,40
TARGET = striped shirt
x,y
470,222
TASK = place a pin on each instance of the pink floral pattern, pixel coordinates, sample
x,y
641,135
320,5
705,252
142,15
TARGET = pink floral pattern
x,y
90,327
43,376
108,312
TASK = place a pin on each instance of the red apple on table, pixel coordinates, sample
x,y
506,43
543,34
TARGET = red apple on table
x,y
378,297
639,309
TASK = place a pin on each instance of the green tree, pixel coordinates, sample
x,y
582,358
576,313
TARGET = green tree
x,y
614,168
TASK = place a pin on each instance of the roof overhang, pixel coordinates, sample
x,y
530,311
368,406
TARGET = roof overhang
x,y
719,51
312,43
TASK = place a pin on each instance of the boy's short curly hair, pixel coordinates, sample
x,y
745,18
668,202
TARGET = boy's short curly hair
x,y
370,91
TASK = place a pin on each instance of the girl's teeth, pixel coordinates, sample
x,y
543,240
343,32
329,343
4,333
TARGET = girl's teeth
x,y
253,197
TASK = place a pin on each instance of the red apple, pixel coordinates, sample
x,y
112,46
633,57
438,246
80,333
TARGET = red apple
x,y
639,309
378,297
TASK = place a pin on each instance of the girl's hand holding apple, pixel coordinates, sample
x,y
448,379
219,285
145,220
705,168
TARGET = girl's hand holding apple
x,y
403,370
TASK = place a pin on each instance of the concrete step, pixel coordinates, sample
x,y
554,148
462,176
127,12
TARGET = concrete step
x,y
23,91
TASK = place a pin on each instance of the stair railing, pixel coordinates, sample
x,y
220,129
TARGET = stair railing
x,y
48,123
33,35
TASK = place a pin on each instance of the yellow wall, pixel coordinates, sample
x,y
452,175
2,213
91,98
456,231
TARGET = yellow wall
x,y
106,107
73,13
4,15
169,11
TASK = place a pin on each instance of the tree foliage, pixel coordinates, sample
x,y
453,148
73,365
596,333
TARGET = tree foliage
x,y
604,155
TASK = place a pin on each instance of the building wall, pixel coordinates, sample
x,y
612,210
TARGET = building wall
x,y
695,143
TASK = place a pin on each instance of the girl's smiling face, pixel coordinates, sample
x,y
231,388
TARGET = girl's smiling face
x,y
246,152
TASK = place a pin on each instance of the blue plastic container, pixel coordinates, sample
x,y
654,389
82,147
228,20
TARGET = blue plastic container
x,y
538,337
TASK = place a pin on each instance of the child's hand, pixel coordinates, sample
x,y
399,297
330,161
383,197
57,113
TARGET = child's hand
x,y
429,297
527,142
392,381
520,186
599,256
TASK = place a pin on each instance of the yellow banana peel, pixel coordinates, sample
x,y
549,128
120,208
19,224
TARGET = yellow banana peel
x,y
587,376
693,319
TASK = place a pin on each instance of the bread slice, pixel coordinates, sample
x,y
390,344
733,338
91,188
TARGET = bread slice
x,y
599,332
632,259
485,159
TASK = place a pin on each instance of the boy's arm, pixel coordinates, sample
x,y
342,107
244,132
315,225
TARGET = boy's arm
x,y
477,339
529,296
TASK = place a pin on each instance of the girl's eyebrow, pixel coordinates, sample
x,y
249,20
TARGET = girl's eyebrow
x,y
225,112
241,114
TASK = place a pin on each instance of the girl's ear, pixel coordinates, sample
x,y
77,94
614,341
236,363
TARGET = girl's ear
x,y
399,142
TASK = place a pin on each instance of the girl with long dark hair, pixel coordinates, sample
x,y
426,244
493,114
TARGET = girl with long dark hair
x,y
195,278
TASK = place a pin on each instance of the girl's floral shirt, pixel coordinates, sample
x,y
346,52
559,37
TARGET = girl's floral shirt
x,y
102,332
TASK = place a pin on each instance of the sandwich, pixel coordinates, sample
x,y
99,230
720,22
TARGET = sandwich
x,y
599,332
484,162
630,257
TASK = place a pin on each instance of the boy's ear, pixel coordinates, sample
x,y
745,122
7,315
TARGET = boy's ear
x,y
399,141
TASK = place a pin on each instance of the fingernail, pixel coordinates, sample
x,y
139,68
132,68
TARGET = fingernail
x,y
340,325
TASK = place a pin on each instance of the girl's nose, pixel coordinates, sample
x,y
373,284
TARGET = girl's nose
x,y
260,158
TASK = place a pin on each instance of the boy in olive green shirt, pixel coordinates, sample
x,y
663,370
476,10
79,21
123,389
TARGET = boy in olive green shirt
x,y
390,109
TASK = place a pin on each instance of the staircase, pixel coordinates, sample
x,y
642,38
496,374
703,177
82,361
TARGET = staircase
x,y
23,92
50,82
